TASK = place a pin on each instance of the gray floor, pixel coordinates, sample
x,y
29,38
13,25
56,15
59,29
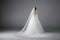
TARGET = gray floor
x,y
11,35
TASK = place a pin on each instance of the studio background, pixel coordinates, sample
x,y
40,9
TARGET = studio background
x,y
14,14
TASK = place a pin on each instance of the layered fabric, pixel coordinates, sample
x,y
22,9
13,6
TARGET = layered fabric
x,y
32,27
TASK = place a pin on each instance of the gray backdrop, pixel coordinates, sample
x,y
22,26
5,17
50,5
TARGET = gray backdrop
x,y
14,13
